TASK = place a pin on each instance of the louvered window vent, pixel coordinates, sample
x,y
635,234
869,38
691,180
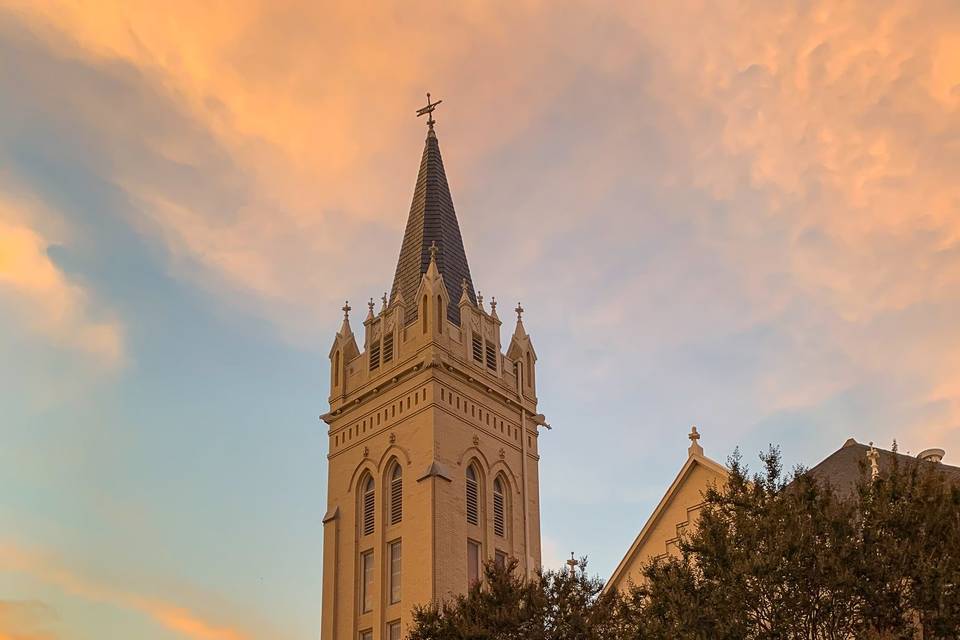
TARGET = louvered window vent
x,y
388,347
396,496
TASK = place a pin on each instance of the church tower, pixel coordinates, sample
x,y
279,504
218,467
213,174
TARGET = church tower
x,y
433,463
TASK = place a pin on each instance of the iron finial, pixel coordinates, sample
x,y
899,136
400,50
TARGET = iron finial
x,y
428,111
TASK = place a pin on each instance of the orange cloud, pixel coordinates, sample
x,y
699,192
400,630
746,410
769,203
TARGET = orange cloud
x,y
26,621
314,106
48,303
825,131
175,618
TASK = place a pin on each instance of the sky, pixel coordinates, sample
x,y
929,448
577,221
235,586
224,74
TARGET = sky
x,y
741,215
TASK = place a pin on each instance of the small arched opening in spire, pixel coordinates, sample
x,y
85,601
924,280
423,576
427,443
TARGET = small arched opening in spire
x,y
423,314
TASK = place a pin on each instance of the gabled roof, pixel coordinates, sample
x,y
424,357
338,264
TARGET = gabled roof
x,y
693,460
841,469
432,219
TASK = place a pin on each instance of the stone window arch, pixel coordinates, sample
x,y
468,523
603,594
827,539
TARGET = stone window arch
x,y
395,485
368,504
500,506
472,492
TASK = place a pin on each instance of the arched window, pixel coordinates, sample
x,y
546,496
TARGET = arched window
x,y
396,494
473,496
367,505
499,508
529,371
423,314
440,314
336,369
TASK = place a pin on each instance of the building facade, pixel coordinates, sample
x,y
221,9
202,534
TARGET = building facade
x,y
679,510
676,514
433,428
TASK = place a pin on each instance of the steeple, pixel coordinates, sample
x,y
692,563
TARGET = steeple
x,y
432,219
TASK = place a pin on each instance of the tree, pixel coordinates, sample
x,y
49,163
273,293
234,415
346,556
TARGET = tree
x,y
775,556
786,556
552,605
909,521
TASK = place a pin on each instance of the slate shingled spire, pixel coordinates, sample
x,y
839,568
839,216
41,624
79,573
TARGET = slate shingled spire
x,y
432,219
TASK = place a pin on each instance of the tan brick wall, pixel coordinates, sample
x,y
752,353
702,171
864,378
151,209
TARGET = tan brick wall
x,y
432,405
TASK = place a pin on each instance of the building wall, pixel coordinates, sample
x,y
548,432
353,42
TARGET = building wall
x,y
435,410
677,512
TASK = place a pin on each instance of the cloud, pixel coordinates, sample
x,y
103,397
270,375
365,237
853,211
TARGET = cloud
x,y
45,298
17,559
26,620
744,214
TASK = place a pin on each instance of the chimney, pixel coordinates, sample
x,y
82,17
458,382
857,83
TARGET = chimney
x,y
931,455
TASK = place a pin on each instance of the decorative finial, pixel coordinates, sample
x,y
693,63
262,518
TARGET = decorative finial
x,y
384,299
428,110
433,250
493,305
572,563
480,299
346,309
519,311
695,448
463,286
874,457
370,309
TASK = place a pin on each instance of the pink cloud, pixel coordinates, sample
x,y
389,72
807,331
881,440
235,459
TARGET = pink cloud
x,y
176,618
43,296
824,132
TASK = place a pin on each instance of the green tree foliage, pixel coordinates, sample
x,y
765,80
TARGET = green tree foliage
x,y
775,557
783,556
552,605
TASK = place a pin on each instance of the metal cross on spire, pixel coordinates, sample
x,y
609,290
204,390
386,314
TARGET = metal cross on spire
x,y
428,110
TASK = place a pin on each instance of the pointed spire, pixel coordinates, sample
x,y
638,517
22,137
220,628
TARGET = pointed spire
x,y
345,329
464,296
370,310
432,270
520,331
432,219
493,307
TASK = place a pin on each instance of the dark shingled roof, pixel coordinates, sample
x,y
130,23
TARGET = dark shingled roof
x,y
432,219
841,469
